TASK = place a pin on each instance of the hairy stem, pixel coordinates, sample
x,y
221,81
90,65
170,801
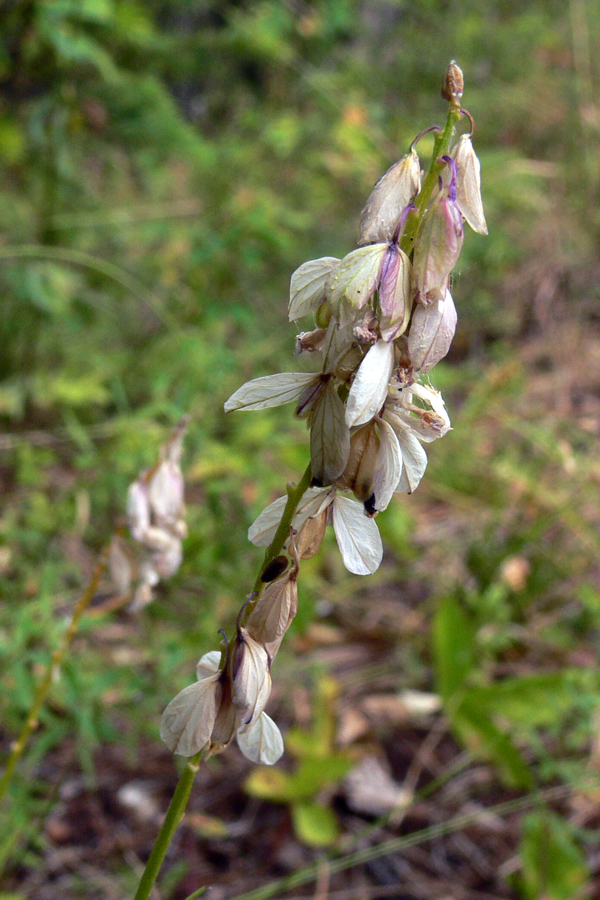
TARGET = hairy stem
x,y
52,672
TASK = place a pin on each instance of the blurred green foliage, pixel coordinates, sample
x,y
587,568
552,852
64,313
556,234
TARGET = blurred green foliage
x,y
164,166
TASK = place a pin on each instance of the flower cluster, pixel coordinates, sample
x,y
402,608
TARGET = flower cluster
x,y
156,516
384,316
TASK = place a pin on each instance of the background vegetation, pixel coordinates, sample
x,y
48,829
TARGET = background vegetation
x,y
165,166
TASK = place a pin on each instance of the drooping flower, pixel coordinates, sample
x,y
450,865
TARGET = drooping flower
x,y
357,535
439,242
431,332
390,196
468,184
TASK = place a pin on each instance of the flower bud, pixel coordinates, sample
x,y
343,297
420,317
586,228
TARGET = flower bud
x,y
391,195
453,84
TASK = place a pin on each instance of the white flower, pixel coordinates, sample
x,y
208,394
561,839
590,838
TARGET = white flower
x,y
431,332
428,424
389,198
369,389
388,468
250,677
188,721
468,184
261,742
357,535
354,281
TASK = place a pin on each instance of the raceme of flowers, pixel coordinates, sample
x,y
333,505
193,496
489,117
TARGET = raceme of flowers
x,y
383,318
156,516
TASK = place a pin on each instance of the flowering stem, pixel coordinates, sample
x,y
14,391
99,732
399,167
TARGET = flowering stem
x,y
295,494
440,148
52,671
184,786
169,826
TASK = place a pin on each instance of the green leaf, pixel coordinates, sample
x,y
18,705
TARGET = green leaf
x,y
484,738
553,864
270,783
454,647
315,826
531,700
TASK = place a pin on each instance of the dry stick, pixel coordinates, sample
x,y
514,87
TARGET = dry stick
x,y
52,671
184,786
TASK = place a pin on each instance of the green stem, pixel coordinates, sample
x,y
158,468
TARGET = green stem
x,y
295,494
440,148
52,671
184,785
169,827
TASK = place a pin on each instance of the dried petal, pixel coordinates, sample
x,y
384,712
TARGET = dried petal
x,y
271,390
414,458
310,341
121,565
250,677
388,470
391,195
395,299
438,246
310,536
360,468
369,389
208,664
261,742
274,610
329,436
187,722
468,184
357,536
431,332
307,287
138,510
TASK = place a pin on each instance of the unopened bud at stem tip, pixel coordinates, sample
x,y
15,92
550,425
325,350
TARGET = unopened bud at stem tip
x,y
453,84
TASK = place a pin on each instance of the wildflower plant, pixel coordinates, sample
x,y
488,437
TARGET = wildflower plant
x,y
384,316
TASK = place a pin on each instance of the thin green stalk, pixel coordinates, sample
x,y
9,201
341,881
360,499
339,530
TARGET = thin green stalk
x,y
181,796
52,671
440,148
173,817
